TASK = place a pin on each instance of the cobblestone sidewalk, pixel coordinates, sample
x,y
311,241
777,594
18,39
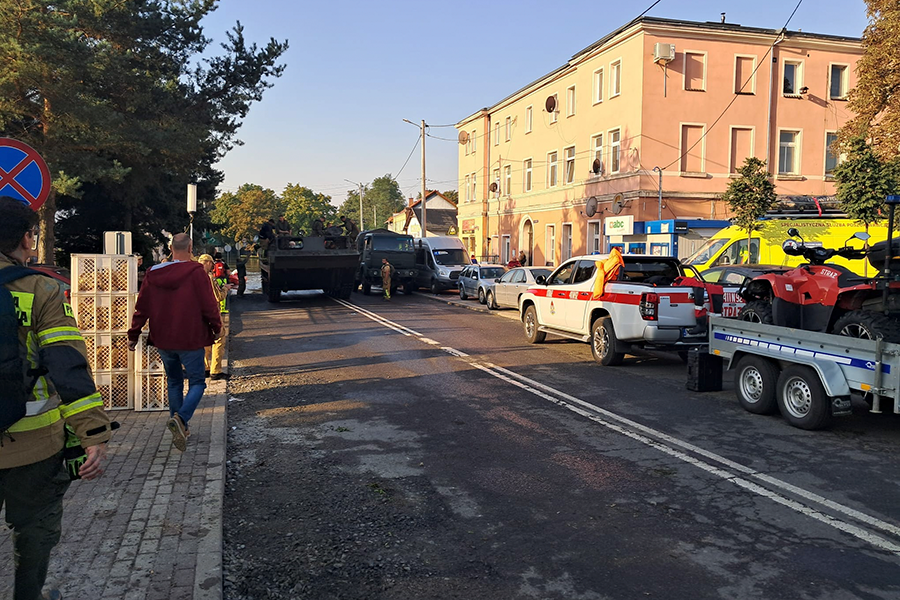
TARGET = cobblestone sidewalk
x,y
151,527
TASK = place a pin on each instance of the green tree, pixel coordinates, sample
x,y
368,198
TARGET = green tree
x,y
123,104
381,199
874,100
864,180
240,214
302,206
451,195
750,195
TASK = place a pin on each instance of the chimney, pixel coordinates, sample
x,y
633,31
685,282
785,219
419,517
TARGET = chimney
x,y
723,17
411,201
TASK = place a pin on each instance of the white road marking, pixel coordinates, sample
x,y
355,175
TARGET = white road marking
x,y
733,472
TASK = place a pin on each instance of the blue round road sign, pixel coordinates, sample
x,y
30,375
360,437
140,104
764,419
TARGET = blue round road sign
x,y
23,173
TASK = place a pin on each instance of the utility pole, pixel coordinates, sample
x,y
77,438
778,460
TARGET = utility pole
x,y
422,134
659,196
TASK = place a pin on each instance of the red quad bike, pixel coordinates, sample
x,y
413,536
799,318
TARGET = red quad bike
x,y
828,297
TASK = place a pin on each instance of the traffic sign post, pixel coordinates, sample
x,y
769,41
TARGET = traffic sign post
x,y
23,173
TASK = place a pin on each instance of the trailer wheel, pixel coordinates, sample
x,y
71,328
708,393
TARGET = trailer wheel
x,y
605,344
755,381
758,311
802,399
867,325
531,327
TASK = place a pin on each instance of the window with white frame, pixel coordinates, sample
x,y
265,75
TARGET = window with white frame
x,y
569,153
552,159
692,159
496,180
497,133
526,175
507,177
504,249
838,84
474,139
744,81
615,143
554,114
695,71
598,86
789,153
593,237
468,190
570,101
474,188
597,146
615,78
566,241
832,153
793,78
550,244
508,128
529,118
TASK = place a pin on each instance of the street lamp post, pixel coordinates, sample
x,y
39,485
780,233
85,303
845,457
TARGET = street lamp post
x,y
192,205
361,227
422,133
659,196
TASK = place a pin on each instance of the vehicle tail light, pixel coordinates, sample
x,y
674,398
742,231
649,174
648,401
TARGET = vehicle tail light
x,y
649,306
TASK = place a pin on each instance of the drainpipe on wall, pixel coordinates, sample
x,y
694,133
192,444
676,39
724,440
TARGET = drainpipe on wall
x,y
772,73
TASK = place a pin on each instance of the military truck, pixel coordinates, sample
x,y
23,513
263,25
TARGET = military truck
x,y
375,244
325,263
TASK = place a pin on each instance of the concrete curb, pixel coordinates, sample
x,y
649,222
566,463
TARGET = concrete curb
x,y
472,305
208,579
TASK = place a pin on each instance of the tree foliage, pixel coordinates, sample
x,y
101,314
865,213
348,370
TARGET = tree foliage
x,y
864,180
302,206
382,198
875,100
750,195
451,195
127,106
240,214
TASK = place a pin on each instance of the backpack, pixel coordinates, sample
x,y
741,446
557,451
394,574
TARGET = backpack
x,y
15,393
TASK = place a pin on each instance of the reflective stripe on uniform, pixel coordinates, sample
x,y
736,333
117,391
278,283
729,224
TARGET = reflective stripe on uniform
x,y
34,407
36,422
95,400
58,334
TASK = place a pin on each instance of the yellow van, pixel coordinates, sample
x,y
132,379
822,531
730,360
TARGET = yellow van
x,y
729,246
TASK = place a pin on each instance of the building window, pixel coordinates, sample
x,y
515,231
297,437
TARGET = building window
x,y
741,147
832,154
468,191
474,188
597,145
507,176
508,128
614,147
529,118
695,71
615,79
691,149
504,249
598,86
570,164
744,82
593,237
497,133
554,114
550,244
566,241
789,153
551,169
496,180
473,139
526,180
793,78
570,101
838,85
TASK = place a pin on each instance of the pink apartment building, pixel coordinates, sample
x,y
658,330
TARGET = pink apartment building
x,y
572,163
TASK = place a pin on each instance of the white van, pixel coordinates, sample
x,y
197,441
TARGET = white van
x,y
439,261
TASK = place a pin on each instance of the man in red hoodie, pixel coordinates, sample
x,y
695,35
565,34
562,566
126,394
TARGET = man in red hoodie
x,y
184,318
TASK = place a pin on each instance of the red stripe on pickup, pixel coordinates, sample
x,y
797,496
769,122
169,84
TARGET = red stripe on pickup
x,y
617,298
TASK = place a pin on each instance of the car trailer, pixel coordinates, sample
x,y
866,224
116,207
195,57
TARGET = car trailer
x,y
807,375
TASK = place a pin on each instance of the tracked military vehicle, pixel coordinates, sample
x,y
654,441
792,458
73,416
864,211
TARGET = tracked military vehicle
x,y
326,263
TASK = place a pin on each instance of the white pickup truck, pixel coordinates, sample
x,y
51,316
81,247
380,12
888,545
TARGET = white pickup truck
x,y
639,309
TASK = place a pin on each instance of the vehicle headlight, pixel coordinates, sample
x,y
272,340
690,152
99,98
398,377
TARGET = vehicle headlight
x,y
444,272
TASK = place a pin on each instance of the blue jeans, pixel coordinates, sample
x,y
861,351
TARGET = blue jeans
x,y
194,368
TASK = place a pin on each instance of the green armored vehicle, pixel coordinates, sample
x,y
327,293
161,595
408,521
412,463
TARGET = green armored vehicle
x,y
375,244
325,263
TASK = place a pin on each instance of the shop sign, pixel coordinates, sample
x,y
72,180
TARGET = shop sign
x,y
619,225
468,226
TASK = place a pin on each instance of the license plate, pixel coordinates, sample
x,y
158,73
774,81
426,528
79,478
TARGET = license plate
x,y
684,333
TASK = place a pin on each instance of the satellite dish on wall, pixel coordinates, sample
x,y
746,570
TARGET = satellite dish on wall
x,y
618,204
597,166
550,104
590,208
463,137
493,187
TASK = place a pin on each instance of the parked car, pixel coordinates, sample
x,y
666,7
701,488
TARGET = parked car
x,y
474,279
733,278
505,291
61,274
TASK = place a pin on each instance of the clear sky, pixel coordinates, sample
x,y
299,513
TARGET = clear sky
x,y
356,69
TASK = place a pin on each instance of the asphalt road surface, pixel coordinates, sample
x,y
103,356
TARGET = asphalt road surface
x,y
410,449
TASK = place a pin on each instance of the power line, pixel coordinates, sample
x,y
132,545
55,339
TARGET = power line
x,y
416,145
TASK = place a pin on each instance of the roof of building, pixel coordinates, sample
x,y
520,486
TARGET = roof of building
x,y
429,194
440,220
651,21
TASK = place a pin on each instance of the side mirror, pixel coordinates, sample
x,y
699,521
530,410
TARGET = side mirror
x,y
861,235
497,280
793,232
540,280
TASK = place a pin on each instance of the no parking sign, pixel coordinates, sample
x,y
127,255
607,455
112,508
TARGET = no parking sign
x,y
23,173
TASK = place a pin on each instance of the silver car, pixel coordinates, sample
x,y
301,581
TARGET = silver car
x,y
474,279
505,292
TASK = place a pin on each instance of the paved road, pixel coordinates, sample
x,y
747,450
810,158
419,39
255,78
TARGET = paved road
x,y
511,470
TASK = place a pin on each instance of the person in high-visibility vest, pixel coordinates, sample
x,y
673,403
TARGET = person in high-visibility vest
x,y
46,388
220,287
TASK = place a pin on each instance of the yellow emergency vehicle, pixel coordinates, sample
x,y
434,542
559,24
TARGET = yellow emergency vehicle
x,y
729,246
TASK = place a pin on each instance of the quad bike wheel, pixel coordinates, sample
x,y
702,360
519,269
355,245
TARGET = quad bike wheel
x,y
758,311
868,325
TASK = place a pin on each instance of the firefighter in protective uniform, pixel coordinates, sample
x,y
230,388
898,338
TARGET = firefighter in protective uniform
x,y
62,396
